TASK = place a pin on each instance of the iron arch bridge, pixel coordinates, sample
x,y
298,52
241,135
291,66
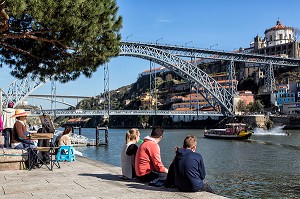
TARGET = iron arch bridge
x,y
213,91
168,56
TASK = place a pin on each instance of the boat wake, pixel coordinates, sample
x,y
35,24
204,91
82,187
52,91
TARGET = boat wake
x,y
278,130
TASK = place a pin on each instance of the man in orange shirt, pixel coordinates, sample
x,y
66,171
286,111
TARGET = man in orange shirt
x,y
148,165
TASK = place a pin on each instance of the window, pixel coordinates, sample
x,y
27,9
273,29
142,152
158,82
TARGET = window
x,y
280,36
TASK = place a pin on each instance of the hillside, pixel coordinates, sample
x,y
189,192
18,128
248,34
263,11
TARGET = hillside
x,y
129,97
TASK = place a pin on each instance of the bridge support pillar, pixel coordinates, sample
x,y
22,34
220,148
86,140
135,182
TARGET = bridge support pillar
x,y
232,85
98,129
269,78
106,93
153,93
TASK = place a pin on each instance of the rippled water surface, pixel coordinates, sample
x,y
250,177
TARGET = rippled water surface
x,y
266,166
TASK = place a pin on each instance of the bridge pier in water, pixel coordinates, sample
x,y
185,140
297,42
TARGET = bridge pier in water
x,y
76,127
98,142
97,135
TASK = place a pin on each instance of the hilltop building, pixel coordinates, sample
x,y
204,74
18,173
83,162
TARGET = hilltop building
x,y
195,101
279,40
158,70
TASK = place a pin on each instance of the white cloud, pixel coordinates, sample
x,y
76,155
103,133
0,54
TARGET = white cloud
x,y
164,21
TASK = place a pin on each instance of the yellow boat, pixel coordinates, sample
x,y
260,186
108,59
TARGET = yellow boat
x,y
233,131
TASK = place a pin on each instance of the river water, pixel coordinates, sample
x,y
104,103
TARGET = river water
x,y
266,166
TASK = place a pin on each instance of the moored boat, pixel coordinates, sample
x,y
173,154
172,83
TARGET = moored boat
x,y
234,131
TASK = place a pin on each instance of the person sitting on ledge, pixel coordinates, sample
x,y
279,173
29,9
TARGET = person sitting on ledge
x,y
128,153
148,165
187,170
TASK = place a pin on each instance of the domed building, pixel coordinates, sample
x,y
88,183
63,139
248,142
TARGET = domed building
x,y
279,41
279,34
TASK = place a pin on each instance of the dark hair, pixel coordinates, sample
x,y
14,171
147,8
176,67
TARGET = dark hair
x,y
67,130
10,105
157,132
190,141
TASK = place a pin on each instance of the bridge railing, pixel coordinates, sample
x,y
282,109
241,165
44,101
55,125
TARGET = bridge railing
x,y
80,112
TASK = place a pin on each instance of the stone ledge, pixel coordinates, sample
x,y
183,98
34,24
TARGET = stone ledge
x,y
12,159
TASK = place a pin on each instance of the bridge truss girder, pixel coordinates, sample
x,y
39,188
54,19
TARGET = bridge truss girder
x,y
18,90
220,55
185,69
54,101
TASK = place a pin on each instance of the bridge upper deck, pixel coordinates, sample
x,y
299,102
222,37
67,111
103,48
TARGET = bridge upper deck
x,y
220,55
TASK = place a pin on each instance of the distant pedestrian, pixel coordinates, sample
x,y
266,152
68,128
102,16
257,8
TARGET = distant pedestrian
x,y
128,153
8,123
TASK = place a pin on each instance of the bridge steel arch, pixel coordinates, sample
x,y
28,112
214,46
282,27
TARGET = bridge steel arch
x,y
58,101
18,90
185,69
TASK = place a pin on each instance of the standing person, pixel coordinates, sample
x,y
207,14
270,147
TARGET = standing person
x,y
65,138
189,168
148,165
19,132
8,123
128,153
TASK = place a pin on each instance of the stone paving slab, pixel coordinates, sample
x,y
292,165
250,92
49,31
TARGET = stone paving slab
x,y
83,178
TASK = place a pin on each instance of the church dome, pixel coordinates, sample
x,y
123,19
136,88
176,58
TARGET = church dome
x,y
278,26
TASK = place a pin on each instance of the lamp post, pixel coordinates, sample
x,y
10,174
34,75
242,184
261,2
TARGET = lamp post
x,y
187,43
128,36
213,45
159,39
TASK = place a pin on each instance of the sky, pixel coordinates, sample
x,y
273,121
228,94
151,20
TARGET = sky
x,y
216,24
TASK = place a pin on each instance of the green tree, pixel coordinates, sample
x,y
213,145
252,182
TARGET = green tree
x,y
61,39
257,106
241,106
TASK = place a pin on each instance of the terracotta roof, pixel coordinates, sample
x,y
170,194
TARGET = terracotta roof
x,y
278,26
183,109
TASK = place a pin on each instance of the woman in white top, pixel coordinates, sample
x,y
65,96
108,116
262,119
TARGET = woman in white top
x,y
128,153
65,138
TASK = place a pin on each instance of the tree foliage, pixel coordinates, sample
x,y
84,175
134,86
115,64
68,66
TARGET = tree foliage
x,y
248,84
257,106
61,39
241,106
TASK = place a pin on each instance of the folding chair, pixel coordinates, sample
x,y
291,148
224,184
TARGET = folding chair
x,y
46,151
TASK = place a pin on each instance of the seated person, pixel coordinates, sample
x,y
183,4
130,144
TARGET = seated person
x,y
128,153
187,169
65,138
19,132
148,164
